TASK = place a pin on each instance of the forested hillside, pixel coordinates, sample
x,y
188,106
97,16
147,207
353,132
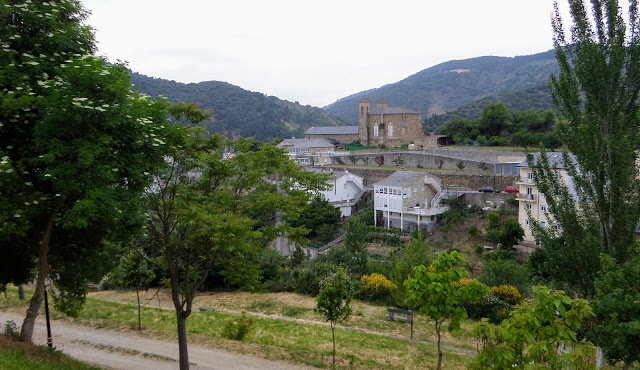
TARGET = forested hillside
x,y
536,98
238,112
458,83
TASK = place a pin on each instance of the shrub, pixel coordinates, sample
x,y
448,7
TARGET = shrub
x,y
237,329
507,293
488,307
11,329
377,288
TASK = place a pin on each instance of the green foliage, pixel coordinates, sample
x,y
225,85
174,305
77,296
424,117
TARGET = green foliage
x,y
404,260
597,94
320,217
10,329
506,272
506,233
334,301
307,277
356,243
473,231
617,308
435,292
531,336
240,112
237,328
376,288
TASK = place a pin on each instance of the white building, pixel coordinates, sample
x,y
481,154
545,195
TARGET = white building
x,y
345,190
532,204
409,200
308,152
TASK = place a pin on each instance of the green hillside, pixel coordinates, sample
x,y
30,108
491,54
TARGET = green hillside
x,y
239,112
458,83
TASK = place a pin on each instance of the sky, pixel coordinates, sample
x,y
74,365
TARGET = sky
x,y
314,52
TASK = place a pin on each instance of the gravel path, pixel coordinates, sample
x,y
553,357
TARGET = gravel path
x,y
115,350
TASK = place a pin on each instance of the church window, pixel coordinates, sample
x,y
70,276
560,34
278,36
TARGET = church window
x,y
390,130
361,111
375,129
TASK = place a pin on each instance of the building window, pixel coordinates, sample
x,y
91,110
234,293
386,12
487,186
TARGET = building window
x,y
543,207
390,129
529,175
529,191
361,111
386,191
543,224
375,129
526,221
528,206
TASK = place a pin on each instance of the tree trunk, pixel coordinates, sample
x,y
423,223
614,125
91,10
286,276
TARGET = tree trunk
x,y
333,335
21,292
182,341
439,350
139,320
26,332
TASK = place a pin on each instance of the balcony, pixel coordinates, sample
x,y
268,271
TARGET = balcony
x,y
432,211
526,197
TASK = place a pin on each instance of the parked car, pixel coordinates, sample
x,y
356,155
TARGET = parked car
x,y
488,189
512,189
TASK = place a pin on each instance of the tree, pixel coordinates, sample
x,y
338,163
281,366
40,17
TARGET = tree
x,y
617,306
334,300
597,93
76,147
501,272
206,209
532,334
414,254
434,292
317,214
137,273
355,242
493,120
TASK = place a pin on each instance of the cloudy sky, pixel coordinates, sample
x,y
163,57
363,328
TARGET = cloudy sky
x,y
314,52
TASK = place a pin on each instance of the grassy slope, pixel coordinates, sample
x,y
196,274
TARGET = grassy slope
x,y
285,328
21,355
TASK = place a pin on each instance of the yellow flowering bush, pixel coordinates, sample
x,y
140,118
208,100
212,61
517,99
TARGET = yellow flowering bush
x,y
507,293
377,288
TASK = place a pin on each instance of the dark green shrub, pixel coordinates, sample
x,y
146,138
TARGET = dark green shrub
x,y
237,329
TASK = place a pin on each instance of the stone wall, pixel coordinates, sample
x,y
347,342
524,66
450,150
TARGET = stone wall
x,y
340,138
410,159
453,181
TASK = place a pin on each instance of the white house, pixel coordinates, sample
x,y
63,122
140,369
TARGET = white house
x,y
345,190
409,200
532,204
308,152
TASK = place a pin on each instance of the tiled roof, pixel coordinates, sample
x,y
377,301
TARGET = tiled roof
x,y
333,130
392,110
305,143
401,178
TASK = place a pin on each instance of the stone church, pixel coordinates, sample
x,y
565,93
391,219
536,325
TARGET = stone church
x,y
391,126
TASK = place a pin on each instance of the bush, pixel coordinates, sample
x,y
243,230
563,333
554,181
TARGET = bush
x,y
11,329
507,293
376,288
306,278
237,329
490,307
502,272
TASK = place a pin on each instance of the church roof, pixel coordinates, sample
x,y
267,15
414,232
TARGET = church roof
x,y
333,130
392,110
306,143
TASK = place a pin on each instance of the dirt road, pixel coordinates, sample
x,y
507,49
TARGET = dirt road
x,y
115,350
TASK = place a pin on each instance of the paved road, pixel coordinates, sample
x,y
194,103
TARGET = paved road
x,y
123,351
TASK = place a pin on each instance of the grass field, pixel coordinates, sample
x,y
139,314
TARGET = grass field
x,y
285,328
20,355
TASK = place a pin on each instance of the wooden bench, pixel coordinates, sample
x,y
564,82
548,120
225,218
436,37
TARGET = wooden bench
x,y
404,315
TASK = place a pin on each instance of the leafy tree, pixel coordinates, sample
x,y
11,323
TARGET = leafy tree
x,y
531,336
617,306
435,292
205,209
597,93
137,273
334,300
355,242
414,254
501,272
317,214
494,119
76,146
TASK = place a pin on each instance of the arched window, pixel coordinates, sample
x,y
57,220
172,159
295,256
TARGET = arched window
x,y
361,111
375,129
390,130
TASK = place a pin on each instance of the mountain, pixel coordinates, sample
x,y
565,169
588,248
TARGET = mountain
x,y
458,83
537,97
238,112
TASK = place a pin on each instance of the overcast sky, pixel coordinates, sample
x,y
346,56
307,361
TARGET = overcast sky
x,y
314,52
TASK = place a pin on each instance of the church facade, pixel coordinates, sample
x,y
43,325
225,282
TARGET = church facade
x,y
390,126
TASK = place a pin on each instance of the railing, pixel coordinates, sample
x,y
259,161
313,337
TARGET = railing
x,y
436,199
335,241
432,181
529,197
425,211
